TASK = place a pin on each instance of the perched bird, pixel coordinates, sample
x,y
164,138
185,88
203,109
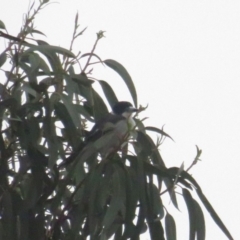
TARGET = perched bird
x,y
108,134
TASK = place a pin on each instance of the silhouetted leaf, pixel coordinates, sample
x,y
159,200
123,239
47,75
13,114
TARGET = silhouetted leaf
x,y
64,115
213,214
49,48
160,131
155,200
204,200
132,192
82,79
3,58
52,57
3,92
2,25
200,223
91,54
170,186
99,108
145,145
156,229
109,93
70,108
125,76
82,111
8,220
26,88
31,30
80,33
36,61
86,92
170,227
117,200
191,213
141,177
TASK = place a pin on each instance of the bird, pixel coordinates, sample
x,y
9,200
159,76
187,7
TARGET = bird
x,y
109,134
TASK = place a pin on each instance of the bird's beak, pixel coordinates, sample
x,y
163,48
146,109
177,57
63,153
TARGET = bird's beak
x,y
132,109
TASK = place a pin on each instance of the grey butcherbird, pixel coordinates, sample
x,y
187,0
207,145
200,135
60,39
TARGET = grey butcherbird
x,y
108,134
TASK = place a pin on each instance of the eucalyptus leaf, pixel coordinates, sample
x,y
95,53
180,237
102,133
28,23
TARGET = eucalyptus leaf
x,y
49,48
125,76
3,58
156,230
118,198
160,131
155,200
200,223
204,200
170,227
109,93
91,54
2,25
64,115
191,213
70,107
99,107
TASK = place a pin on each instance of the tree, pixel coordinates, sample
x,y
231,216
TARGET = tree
x,y
49,189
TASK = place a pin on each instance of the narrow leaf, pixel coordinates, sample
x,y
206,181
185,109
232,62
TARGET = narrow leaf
x,y
169,185
160,131
48,48
42,65
34,62
26,88
3,92
192,218
204,200
35,31
132,198
3,58
99,108
2,25
200,223
70,107
81,79
141,177
82,111
109,93
125,76
80,33
155,200
70,127
156,230
8,219
213,214
170,227
91,54
118,198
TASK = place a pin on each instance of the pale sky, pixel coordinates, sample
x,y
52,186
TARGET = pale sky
x,y
184,58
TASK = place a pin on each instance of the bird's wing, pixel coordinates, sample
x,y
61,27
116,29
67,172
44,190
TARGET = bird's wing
x,y
103,126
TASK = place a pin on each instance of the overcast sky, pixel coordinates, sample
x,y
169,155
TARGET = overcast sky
x,y
184,58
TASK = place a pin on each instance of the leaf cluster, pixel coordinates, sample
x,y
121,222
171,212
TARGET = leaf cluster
x,y
49,188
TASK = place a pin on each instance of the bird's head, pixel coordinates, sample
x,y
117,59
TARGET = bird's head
x,y
124,109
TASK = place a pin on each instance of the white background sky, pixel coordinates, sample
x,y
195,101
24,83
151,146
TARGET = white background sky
x,y
184,58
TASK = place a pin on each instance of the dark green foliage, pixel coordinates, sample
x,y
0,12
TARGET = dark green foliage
x,y
51,187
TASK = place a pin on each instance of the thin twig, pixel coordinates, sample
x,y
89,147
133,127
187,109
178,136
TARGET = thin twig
x,y
99,36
